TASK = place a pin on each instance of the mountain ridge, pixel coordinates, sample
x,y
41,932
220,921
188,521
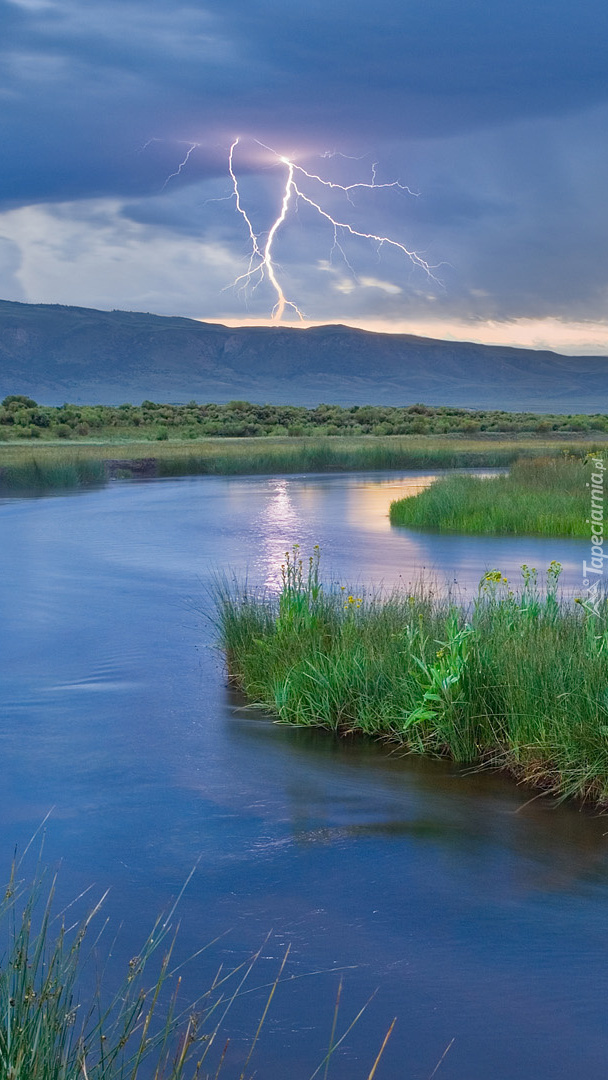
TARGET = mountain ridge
x,y
56,353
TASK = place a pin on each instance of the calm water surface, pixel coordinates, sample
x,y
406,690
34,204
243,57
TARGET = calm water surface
x,y
480,916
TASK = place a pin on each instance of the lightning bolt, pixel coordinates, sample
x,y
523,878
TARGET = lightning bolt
x,y
265,265
261,264
279,308
147,144
347,188
255,250
181,165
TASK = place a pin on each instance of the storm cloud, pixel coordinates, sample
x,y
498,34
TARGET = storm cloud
x,y
493,112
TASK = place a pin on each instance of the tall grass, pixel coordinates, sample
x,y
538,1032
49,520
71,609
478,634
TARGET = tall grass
x,y
517,680
543,496
48,1031
39,473
36,469
138,1030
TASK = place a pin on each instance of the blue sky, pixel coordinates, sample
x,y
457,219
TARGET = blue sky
x,y
494,114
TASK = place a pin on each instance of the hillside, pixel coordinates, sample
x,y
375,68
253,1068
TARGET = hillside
x,y
55,354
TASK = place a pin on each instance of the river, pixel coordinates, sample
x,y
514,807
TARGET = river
x,y
478,915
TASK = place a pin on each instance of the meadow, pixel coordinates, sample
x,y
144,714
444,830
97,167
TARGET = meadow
x,y
36,467
514,681
545,496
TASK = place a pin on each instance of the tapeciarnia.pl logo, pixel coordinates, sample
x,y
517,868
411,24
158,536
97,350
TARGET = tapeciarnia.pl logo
x,y
594,569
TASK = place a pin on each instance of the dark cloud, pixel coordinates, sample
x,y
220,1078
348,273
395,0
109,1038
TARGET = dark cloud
x,y
493,111
86,84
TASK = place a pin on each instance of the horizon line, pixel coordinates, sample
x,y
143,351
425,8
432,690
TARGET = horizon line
x,y
568,337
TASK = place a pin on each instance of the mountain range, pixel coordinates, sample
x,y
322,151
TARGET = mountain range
x,y
54,353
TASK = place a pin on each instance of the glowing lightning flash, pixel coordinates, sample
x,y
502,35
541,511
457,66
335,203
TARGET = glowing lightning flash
x,y
282,303
261,265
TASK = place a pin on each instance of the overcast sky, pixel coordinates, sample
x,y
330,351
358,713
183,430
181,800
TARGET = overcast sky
x,y
493,114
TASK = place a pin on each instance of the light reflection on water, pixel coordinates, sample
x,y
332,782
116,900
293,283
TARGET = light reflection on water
x,y
479,914
351,523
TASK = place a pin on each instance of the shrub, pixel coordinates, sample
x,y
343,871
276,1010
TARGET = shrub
x,y
20,399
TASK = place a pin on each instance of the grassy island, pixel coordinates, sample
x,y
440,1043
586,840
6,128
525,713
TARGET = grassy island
x,y
516,681
540,496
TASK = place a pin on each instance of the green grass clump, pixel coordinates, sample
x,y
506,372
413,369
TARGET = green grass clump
x,y
543,496
516,681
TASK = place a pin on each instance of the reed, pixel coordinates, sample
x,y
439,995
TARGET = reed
x,y
515,680
36,469
51,1028
545,496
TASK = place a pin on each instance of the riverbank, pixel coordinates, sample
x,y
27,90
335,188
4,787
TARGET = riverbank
x,y
34,467
543,497
516,681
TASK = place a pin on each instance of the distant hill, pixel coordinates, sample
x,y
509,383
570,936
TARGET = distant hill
x,y
55,354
